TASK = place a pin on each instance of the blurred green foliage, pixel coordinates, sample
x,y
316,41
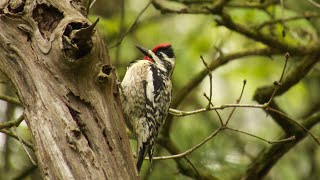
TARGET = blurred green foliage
x,y
228,154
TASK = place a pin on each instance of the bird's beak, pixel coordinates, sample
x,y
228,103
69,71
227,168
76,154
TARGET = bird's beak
x,y
145,52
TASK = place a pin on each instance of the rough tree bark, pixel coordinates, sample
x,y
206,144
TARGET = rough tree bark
x,y
61,70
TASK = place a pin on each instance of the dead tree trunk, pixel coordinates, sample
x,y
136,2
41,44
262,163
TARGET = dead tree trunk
x,y
62,73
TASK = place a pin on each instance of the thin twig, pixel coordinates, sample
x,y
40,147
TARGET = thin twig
x,y
90,4
193,167
295,122
291,138
314,3
237,102
268,23
10,100
185,113
287,56
216,63
15,135
278,83
207,97
7,132
219,50
256,5
218,114
267,158
8,124
176,112
23,145
189,151
184,154
132,26
210,95
242,90
121,27
210,80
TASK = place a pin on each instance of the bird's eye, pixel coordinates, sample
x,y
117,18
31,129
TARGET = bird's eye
x,y
159,54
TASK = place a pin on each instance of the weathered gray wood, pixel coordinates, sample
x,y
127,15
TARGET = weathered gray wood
x,y
68,93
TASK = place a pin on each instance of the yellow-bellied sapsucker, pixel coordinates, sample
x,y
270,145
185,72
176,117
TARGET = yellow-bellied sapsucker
x,y
146,96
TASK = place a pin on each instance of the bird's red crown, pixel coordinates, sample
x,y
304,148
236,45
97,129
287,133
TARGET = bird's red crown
x,y
159,46
163,45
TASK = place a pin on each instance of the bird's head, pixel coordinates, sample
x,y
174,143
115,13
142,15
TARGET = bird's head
x,y
162,55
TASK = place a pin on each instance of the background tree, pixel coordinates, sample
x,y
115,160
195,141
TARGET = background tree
x,y
221,128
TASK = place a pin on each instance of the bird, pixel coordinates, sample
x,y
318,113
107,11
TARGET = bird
x,y
146,93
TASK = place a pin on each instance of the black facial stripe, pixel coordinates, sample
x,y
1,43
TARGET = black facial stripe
x,y
166,50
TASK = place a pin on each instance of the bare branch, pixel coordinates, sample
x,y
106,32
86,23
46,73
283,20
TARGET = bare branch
x,y
221,60
132,26
237,102
256,5
275,21
268,40
193,167
10,100
185,113
316,139
291,138
15,123
218,114
9,133
225,20
166,6
278,88
176,112
278,83
210,91
263,94
314,3
183,167
189,151
23,146
221,128
263,163
210,81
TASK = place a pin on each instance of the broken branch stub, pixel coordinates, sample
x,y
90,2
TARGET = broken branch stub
x,y
77,40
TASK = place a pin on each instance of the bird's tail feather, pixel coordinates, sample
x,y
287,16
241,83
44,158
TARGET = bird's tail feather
x,y
141,154
150,152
